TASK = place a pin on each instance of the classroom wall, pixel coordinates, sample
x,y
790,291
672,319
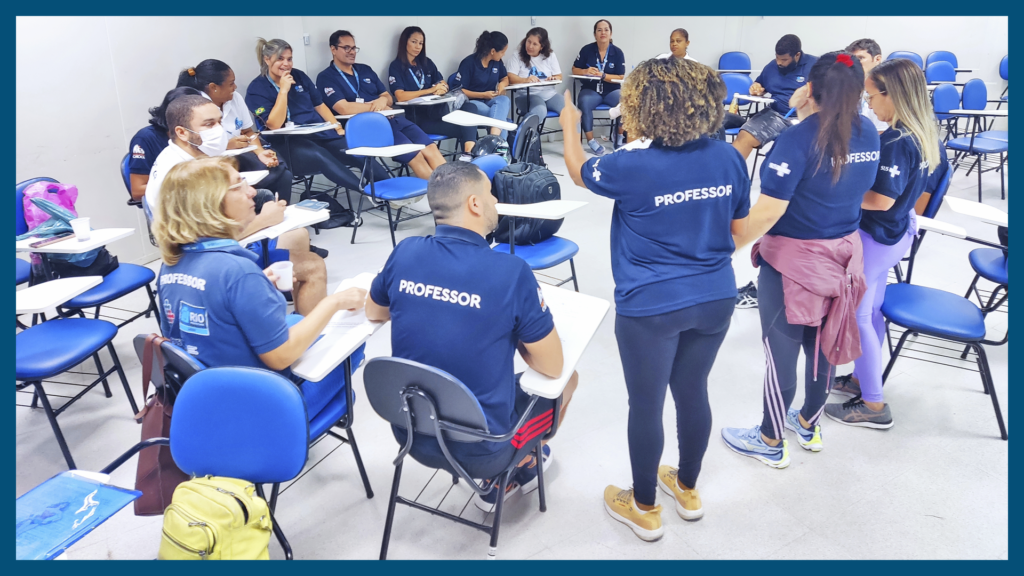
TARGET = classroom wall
x,y
79,104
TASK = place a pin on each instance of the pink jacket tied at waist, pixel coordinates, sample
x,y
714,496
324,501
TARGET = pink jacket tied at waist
x,y
820,278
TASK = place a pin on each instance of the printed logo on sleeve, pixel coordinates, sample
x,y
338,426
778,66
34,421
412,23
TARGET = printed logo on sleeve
x,y
780,169
458,75
238,123
391,79
543,304
298,88
193,320
138,153
328,90
168,311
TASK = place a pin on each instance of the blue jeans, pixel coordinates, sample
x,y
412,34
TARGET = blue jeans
x,y
588,100
497,108
539,106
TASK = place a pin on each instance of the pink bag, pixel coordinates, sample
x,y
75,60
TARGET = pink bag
x,y
64,195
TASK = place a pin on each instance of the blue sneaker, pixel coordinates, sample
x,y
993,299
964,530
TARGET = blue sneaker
x,y
526,476
808,439
748,442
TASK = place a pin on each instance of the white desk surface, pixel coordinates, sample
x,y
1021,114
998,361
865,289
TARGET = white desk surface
x,y
585,77
293,218
983,212
733,71
385,151
431,102
47,295
750,98
99,238
962,112
346,332
237,151
577,317
550,210
463,118
953,82
253,177
962,70
386,113
533,84
925,223
300,130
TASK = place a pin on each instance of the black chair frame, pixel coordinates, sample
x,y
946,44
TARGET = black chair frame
x,y
512,250
378,204
978,126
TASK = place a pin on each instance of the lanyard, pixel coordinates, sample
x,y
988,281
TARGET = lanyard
x,y
287,111
601,64
345,78
419,80
208,245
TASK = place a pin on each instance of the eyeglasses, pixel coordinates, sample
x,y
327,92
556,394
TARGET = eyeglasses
x,y
868,97
352,49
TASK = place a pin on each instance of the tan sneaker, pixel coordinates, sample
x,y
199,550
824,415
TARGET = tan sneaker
x,y
620,505
688,504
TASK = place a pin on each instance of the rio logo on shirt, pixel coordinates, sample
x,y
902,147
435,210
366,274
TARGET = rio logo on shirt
x,y
438,293
193,320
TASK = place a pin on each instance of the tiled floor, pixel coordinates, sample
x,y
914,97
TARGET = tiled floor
x,y
934,486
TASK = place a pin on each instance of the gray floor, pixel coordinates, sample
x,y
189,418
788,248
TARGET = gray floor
x,y
934,486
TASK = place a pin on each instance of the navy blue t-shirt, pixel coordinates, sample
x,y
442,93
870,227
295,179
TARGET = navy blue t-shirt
x,y
146,145
902,175
461,307
218,306
781,86
409,78
614,62
303,98
477,78
335,85
671,238
819,209
940,170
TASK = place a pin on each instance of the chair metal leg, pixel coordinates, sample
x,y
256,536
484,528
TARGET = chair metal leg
x,y
538,453
152,304
979,179
986,377
492,552
41,394
914,247
572,266
124,381
274,490
888,337
389,519
281,539
391,226
359,212
1002,177
895,355
359,463
100,371
899,273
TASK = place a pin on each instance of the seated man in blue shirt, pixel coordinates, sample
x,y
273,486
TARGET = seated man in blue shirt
x,y
778,79
461,307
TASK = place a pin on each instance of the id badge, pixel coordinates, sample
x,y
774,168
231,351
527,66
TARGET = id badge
x,y
359,100
600,87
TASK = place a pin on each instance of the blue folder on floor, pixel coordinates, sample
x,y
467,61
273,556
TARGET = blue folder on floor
x,y
54,515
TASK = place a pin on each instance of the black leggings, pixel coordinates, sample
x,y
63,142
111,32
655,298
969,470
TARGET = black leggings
x,y
310,155
676,349
464,133
279,180
782,342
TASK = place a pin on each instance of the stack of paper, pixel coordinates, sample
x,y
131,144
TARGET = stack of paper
x,y
347,319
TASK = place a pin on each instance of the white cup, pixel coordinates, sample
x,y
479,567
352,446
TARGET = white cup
x,y
289,124
284,275
81,228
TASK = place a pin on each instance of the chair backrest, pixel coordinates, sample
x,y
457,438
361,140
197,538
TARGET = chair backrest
x,y
490,164
1004,68
528,129
20,226
941,56
178,366
935,202
369,129
126,177
245,423
734,61
735,84
945,98
386,379
914,56
940,71
974,95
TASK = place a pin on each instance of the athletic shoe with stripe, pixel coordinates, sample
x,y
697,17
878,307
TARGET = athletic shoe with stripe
x,y
688,504
527,474
620,505
748,442
746,297
808,439
856,413
487,501
845,386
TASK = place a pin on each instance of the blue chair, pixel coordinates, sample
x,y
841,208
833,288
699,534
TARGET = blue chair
x,y
23,272
126,177
912,56
975,97
490,164
415,397
544,123
1004,73
993,265
55,347
734,61
372,130
941,56
929,312
945,98
934,203
939,71
736,84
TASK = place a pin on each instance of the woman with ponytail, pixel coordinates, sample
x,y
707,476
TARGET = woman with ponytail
x,y
483,79
910,152
811,261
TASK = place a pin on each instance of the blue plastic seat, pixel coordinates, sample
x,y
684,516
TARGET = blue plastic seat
x,y
329,415
940,71
991,263
735,84
912,56
490,164
23,272
1001,135
933,312
125,279
402,188
53,347
544,255
979,146
734,61
941,56
1004,68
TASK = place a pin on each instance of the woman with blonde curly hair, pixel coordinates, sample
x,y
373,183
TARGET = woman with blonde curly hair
x,y
215,302
677,204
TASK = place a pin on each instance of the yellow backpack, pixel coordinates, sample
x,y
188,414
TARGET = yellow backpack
x,y
215,518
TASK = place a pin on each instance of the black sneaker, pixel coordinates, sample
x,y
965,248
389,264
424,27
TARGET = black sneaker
x,y
321,252
845,386
746,297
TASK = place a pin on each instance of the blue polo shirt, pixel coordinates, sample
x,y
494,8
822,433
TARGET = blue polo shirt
x,y
218,306
671,238
335,85
303,98
477,78
410,78
819,209
460,307
145,146
614,62
902,175
781,86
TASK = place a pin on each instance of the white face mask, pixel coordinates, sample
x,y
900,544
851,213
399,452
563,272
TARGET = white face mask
x,y
215,140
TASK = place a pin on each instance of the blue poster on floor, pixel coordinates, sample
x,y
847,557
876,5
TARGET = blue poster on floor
x,y
54,515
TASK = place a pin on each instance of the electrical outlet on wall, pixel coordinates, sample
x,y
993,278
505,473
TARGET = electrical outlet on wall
x,y
305,39
533,20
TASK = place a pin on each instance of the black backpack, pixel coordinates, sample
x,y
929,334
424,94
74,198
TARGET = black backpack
x,y
524,183
526,146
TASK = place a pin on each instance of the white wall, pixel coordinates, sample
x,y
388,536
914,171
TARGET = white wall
x,y
78,105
